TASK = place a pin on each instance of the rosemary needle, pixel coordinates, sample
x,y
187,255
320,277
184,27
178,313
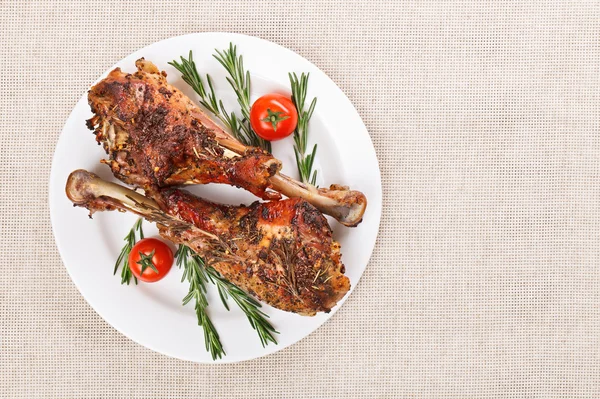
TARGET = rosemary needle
x,y
304,161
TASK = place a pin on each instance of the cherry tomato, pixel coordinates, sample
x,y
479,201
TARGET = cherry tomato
x,y
150,260
273,117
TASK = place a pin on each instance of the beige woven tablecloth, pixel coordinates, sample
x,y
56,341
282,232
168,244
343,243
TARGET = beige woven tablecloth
x,y
485,281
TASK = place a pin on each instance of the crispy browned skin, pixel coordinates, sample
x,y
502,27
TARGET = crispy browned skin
x,y
156,137
281,252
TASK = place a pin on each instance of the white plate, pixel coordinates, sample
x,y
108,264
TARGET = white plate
x,y
152,314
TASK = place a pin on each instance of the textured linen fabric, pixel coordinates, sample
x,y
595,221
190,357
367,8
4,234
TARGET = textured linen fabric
x,y
485,281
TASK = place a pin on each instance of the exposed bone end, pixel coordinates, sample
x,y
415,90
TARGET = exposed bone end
x,y
344,205
80,187
82,190
348,207
88,190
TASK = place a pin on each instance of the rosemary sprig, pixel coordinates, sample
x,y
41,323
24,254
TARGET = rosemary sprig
x,y
304,161
239,79
195,272
208,99
250,306
190,75
123,258
239,127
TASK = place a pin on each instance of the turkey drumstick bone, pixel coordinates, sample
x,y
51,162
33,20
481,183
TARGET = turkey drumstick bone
x,y
344,205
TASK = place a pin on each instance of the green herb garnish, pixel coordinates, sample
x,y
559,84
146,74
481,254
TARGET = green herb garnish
x,y
304,161
195,273
239,81
250,306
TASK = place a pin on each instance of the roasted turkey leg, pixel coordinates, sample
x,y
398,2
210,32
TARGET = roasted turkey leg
x,y
157,137
282,252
